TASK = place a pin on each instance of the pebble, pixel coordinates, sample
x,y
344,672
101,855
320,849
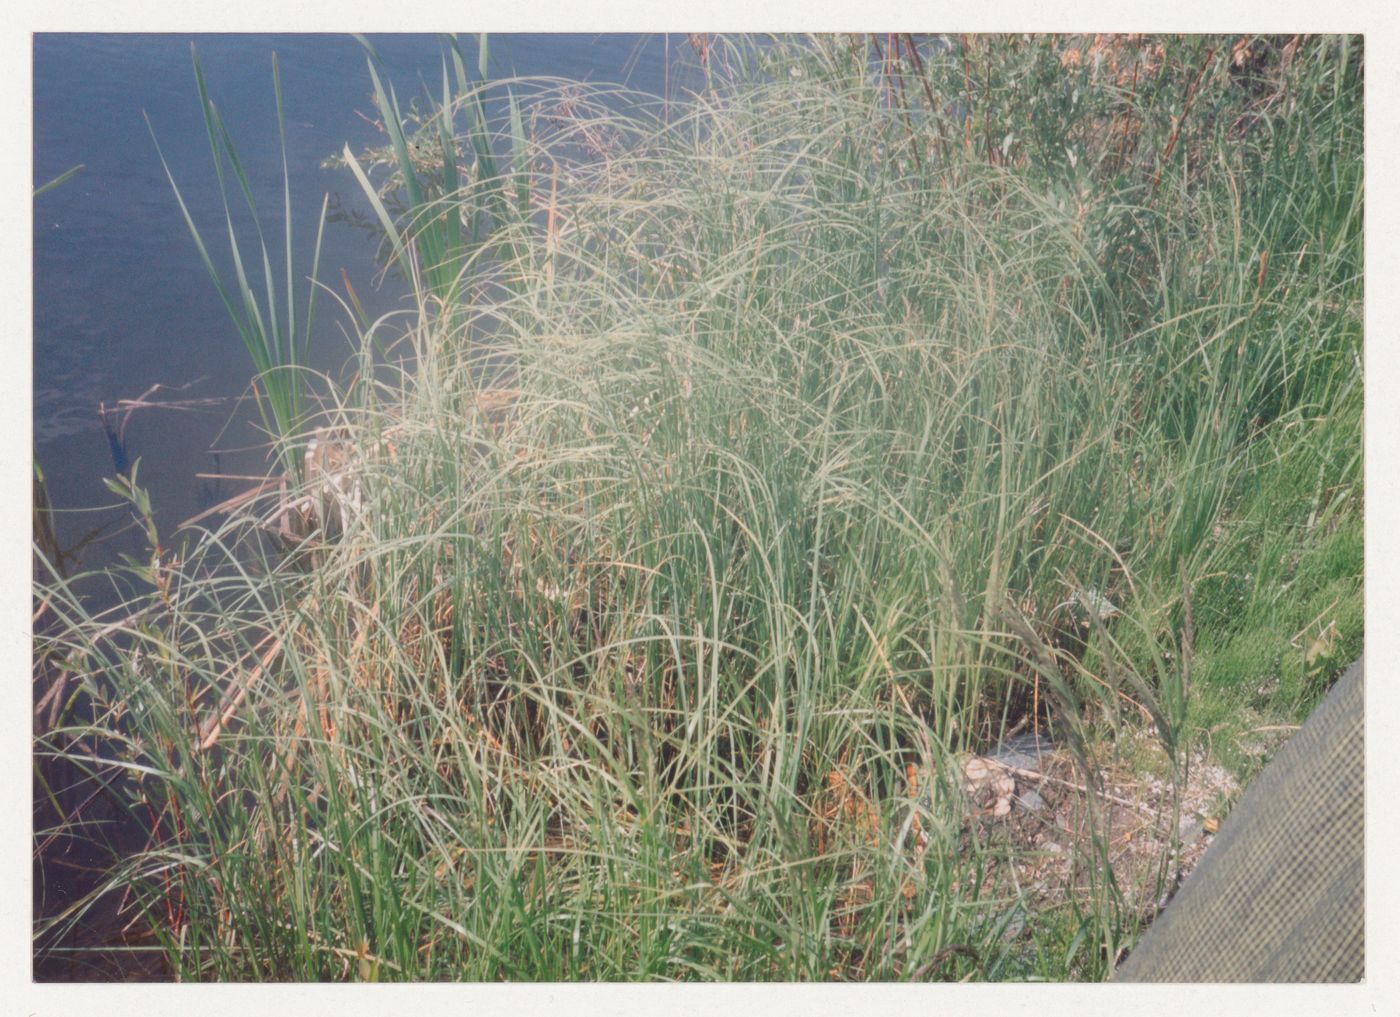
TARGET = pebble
x,y
1030,801
1025,752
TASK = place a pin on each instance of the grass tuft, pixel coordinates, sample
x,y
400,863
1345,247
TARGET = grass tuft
x,y
757,469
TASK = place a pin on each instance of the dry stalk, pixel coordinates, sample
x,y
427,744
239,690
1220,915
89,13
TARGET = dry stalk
x,y
237,690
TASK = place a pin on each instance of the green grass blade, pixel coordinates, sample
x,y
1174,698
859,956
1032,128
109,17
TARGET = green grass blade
x,y
519,162
63,177
386,222
286,212
313,285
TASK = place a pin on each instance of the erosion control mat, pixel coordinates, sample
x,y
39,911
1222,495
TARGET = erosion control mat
x,y
1279,897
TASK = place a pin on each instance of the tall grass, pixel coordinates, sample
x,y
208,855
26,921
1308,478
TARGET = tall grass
x,y
451,214
274,340
773,460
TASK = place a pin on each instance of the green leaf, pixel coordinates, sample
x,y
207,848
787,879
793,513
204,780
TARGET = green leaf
x,y
391,231
63,177
519,165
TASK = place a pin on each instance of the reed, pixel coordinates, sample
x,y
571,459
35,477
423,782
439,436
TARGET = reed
x,y
450,215
267,320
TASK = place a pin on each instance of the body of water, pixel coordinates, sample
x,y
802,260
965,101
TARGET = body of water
x,y
121,299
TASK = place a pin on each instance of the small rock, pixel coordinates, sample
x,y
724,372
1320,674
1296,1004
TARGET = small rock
x,y
1030,801
1025,752
977,770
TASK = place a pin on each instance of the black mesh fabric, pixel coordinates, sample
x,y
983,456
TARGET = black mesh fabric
x,y
1279,896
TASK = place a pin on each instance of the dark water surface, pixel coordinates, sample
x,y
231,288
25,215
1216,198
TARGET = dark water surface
x,y
121,299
